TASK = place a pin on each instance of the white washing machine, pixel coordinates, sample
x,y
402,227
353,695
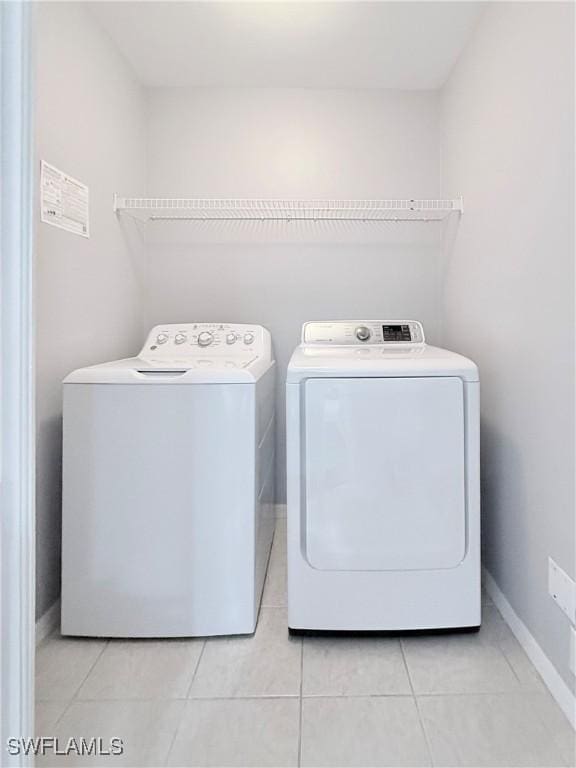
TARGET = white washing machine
x,y
383,481
168,485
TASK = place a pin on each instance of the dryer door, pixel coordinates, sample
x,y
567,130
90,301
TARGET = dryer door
x,y
385,473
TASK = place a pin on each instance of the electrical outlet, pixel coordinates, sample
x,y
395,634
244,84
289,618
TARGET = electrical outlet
x,y
562,589
573,650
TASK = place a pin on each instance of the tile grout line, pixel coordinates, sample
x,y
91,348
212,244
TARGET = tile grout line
x,y
73,699
196,667
406,667
87,675
268,571
64,711
500,618
175,734
530,695
152,699
271,564
416,704
301,702
284,696
522,688
181,718
521,685
544,722
424,731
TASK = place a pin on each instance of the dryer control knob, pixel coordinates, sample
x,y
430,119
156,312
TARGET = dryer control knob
x,y
205,339
180,338
162,338
363,333
248,338
231,338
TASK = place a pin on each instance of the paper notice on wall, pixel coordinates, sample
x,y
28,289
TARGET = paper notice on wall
x,y
64,201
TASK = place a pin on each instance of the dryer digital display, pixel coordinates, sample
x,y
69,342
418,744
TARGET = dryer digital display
x,y
396,333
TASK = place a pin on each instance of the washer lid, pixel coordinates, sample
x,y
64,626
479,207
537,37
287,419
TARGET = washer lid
x,y
384,361
201,370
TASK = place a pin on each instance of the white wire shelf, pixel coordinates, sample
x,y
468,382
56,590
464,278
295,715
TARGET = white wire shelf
x,y
195,209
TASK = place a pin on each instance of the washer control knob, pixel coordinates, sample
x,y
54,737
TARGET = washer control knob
x,y
230,338
248,338
180,338
162,338
205,339
363,333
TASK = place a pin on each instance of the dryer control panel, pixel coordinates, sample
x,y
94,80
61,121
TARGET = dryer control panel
x,y
186,341
345,333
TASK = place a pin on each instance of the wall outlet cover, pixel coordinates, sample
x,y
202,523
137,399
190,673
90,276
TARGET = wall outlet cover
x,y
562,589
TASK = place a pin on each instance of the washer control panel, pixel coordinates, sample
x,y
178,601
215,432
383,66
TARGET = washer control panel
x,y
345,333
188,341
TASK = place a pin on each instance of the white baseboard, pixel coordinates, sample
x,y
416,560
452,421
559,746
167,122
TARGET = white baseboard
x,y
557,687
48,622
280,510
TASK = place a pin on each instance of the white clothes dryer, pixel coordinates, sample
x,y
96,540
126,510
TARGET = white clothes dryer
x,y
168,486
383,481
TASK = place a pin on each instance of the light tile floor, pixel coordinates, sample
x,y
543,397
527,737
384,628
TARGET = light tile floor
x,y
273,700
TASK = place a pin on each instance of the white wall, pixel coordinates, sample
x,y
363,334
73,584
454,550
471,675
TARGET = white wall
x,y
90,123
292,143
508,136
